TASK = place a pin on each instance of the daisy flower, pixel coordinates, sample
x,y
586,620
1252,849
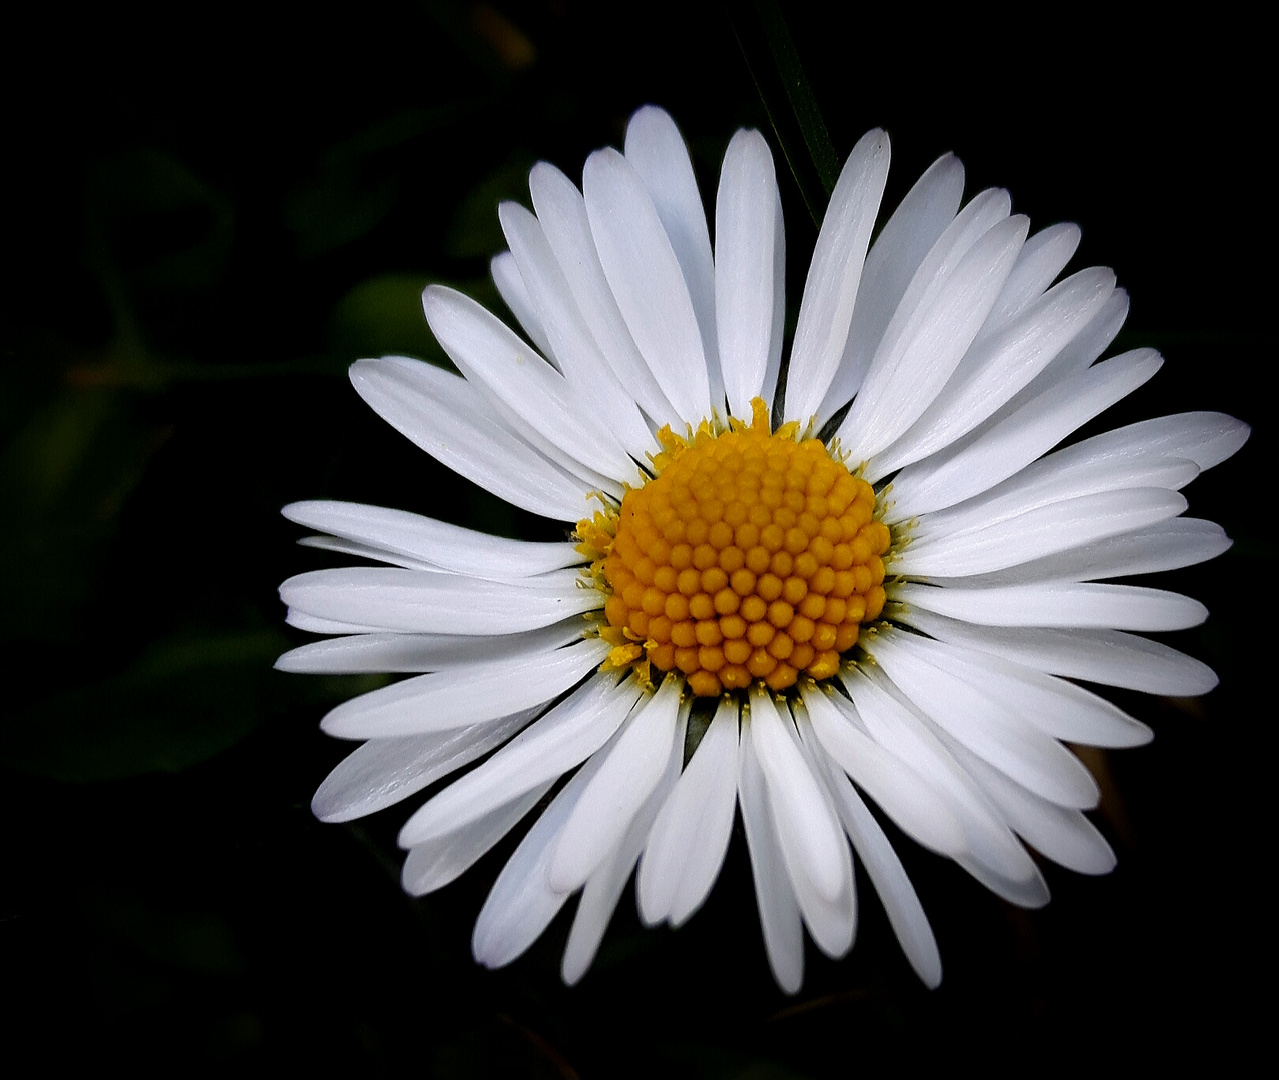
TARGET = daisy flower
x,y
876,575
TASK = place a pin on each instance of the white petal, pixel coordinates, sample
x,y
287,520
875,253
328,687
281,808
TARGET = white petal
x,y
1094,340
689,838
532,395
906,239
521,905
905,913
435,863
656,149
773,371
998,365
1109,657
563,738
1206,438
896,726
1042,531
360,654
834,274
427,603
832,923
451,421
903,795
981,722
625,780
561,212
1169,545
647,281
1062,834
458,697
1004,447
1043,257
513,291
585,370
1059,708
450,547
604,887
1030,892
929,275
316,625
383,772
745,289
920,353
779,916
1062,604
808,835
365,551
1150,453
1053,481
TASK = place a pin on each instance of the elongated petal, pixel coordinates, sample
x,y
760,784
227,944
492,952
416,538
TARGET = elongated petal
x,y
561,212
625,781
1043,256
690,835
809,836
1061,709
1039,532
979,721
1094,340
1061,604
412,653
301,620
903,243
1062,834
364,551
744,266
458,697
912,367
647,281
900,791
585,370
513,291
560,740
995,452
604,887
1168,545
832,923
656,150
383,772
451,421
830,291
998,365
442,859
521,905
905,913
426,603
1109,657
778,910
531,392
896,726
450,547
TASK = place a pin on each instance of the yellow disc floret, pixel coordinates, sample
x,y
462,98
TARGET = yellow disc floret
x,y
749,556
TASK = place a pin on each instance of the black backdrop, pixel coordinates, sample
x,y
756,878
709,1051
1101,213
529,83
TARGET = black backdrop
x,y
212,211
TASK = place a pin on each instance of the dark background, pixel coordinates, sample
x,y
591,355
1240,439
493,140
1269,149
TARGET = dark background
x,y
213,210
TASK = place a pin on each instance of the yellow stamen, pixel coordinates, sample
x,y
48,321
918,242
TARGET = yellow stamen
x,y
750,556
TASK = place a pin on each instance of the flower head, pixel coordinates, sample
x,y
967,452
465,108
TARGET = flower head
x,y
878,583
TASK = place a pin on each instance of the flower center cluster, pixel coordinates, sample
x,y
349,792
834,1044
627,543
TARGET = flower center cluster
x,y
750,555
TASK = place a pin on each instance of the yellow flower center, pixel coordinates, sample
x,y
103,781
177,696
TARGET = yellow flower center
x,y
750,555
